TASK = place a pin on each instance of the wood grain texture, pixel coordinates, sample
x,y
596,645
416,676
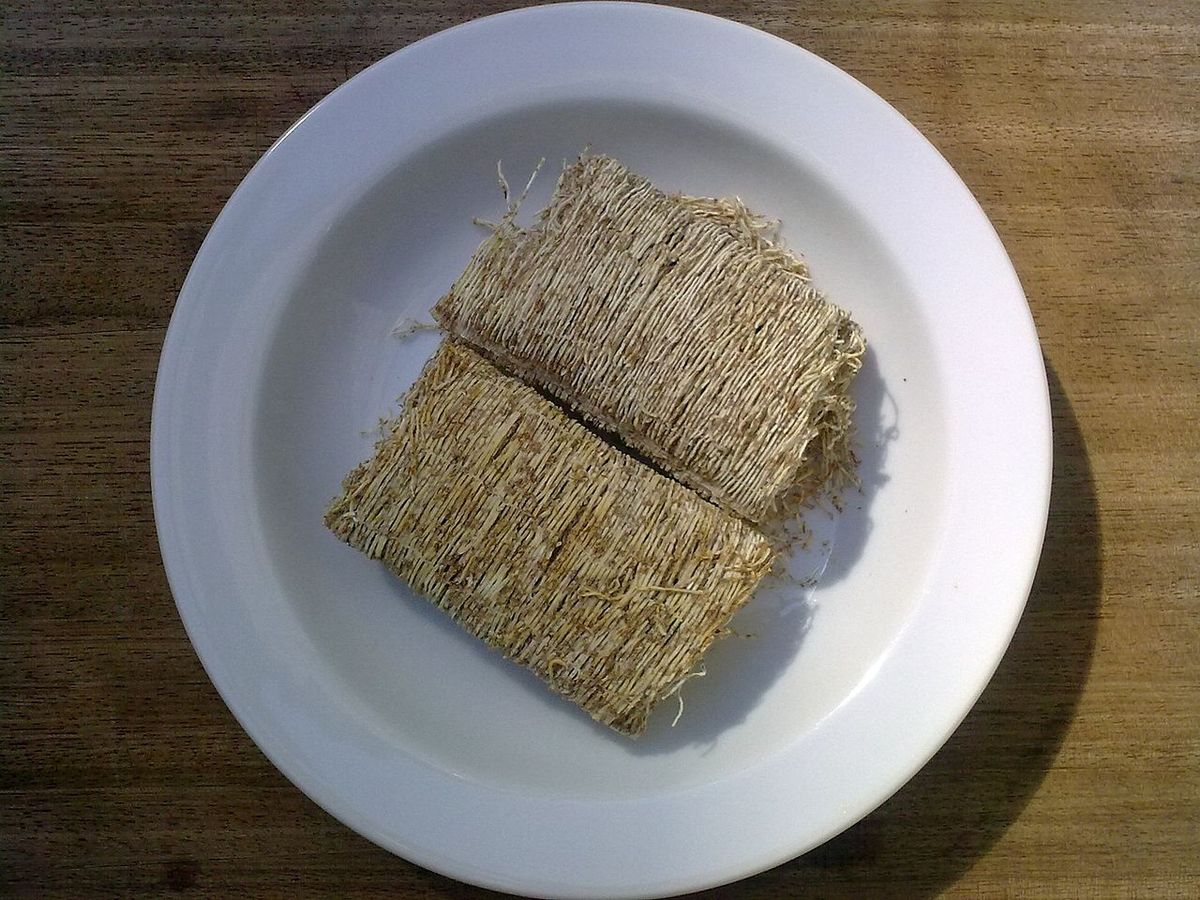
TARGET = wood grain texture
x,y
123,129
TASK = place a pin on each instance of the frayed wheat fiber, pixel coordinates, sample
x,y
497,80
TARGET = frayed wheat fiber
x,y
677,324
606,579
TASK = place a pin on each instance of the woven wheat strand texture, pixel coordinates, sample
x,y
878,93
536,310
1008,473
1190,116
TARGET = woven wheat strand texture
x,y
671,322
605,578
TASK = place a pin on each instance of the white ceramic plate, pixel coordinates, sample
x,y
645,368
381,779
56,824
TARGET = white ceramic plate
x,y
279,362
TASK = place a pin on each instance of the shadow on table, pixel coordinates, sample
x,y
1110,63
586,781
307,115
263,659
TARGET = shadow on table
x,y
935,828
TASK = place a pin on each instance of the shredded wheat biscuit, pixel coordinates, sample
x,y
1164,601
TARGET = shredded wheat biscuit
x,y
675,323
605,578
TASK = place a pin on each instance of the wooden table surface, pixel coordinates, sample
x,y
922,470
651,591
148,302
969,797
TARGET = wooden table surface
x,y
124,126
